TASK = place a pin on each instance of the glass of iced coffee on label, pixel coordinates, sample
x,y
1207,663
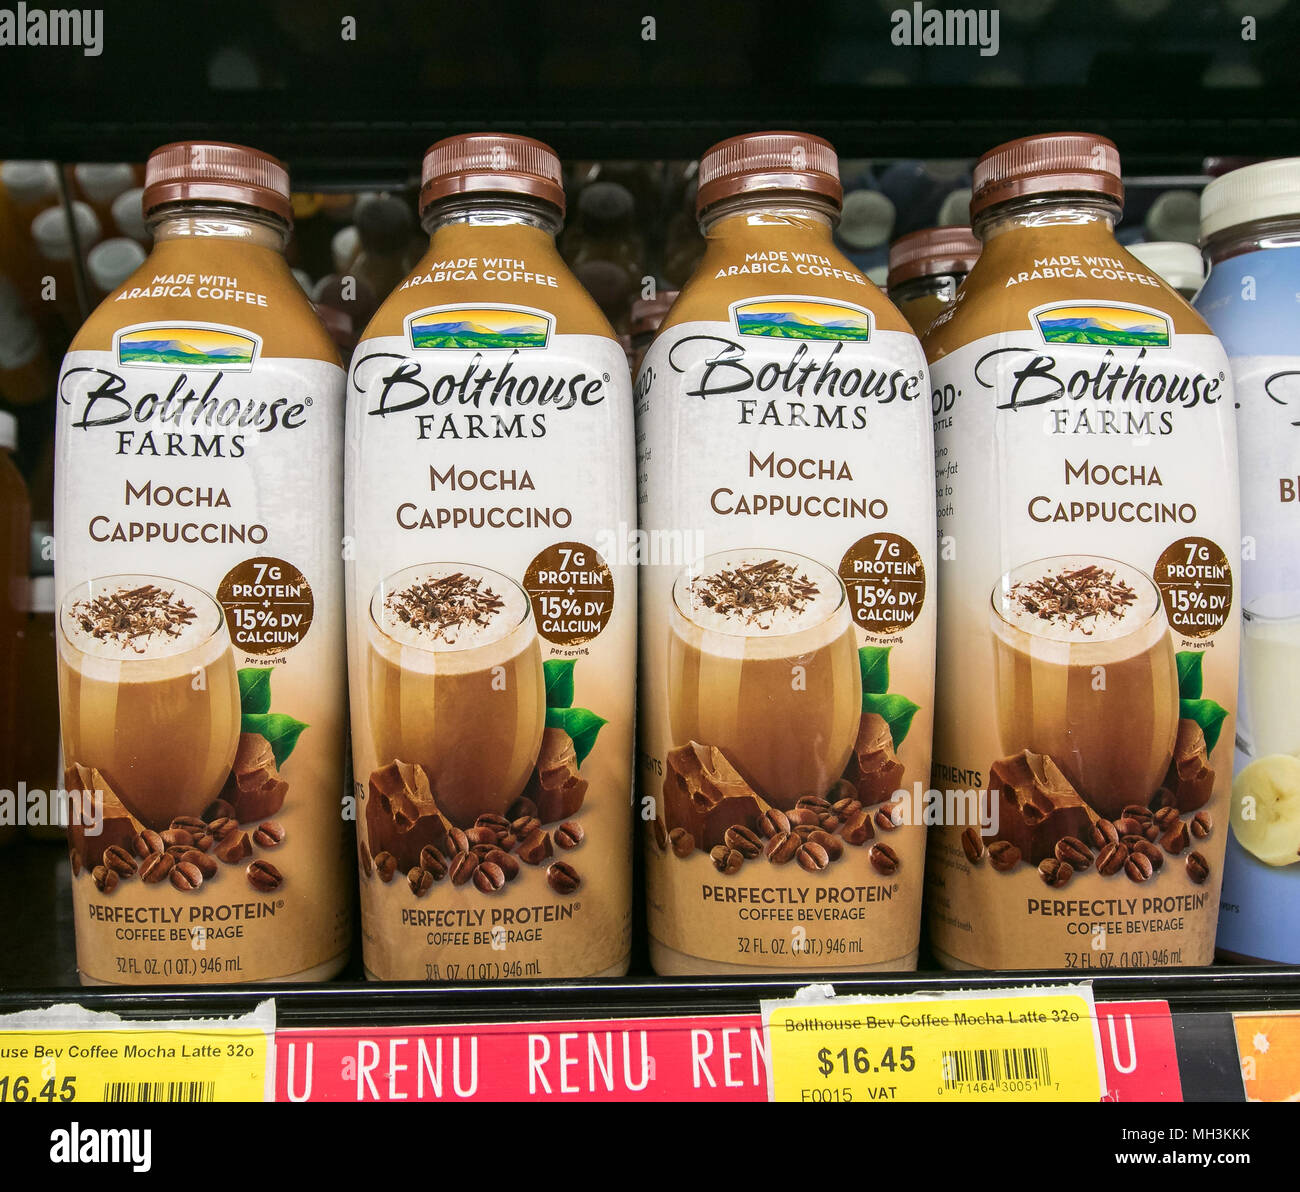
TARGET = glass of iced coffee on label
x,y
1085,673
1269,719
763,664
456,684
149,693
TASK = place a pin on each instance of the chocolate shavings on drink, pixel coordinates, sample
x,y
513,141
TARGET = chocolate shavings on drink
x,y
754,590
1078,598
133,617
440,608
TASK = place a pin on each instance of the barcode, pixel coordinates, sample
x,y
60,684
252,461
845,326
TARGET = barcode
x,y
995,1065
160,1090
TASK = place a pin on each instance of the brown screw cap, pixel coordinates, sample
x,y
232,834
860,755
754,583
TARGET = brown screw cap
x,y
492,163
768,161
1054,162
932,252
217,172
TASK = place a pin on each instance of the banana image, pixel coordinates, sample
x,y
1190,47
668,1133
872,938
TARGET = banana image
x,y
1265,810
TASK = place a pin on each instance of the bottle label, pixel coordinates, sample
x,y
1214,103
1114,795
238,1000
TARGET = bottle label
x,y
492,613
787,635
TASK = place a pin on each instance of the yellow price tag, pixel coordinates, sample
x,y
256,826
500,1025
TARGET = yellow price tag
x,y
995,1045
73,1060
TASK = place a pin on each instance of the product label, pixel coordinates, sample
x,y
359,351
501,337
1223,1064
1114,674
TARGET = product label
x,y
492,613
200,655
787,635
1086,481
1250,301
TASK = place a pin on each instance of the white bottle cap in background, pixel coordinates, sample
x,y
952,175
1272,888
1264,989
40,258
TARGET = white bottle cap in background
x,y
30,181
128,214
20,340
866,219
1178,263
1174,216
112,262
102,182
878,275
955,209
53,234
8,431
1266,190
303,278
344,248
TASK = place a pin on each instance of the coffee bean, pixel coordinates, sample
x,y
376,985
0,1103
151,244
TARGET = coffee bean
x,y
1103,833
857,828
726,859
155,867
570,835
190,823
201,861
119,861
1198,868
268,835
481,850
1202,825
804,831
433,862
812,856
522,808
218,810
1003,856
420,881
203,841
457,841
176,836
263,876
535,848
1152,831
524,826
462,868
744,840
177,851
385,866
489,878
1112,858
1126,825
682,841
1138,867
498,823
147,843
1073,852
773,822
883,859
482,836
832,844
1165,818
1055,873
234,848
803,817
1138,812
660,833
562,877
503,861
186,876
1132,840
1175,840
972,844
222,828
813,803
1151,853
104,878
890,816
846,807
783,847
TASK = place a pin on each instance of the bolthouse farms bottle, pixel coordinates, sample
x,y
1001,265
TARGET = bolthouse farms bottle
x,y
1087,491
787,632
492,594
200,598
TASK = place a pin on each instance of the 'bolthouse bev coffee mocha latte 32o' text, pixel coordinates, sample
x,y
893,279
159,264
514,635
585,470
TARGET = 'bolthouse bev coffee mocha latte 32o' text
x,y
200,598
1088,528
492,593
787,630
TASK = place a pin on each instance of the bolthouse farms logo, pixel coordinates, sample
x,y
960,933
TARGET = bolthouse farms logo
x,y
1106,324
187,345
802,318
484,326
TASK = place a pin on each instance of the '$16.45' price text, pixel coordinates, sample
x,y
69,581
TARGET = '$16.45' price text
x,y
858,1060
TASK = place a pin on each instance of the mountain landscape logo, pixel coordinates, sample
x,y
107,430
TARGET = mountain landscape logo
x,y
479,327
1107,324
802,318
172,345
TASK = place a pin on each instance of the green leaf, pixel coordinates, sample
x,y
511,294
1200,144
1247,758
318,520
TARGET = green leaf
x,y
559,682
874,662
1189,673
1209,715
897,710
255,689
580,724
280,730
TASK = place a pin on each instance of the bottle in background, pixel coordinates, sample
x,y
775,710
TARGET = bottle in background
x,y
26,374
14,535
100,184
925,269
110,263
60,243
1178,263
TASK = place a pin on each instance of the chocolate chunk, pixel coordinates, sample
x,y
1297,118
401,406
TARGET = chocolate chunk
x,y
97,819
704,793
1190,778
254,789
874,770
1036,805
401,815
555,786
